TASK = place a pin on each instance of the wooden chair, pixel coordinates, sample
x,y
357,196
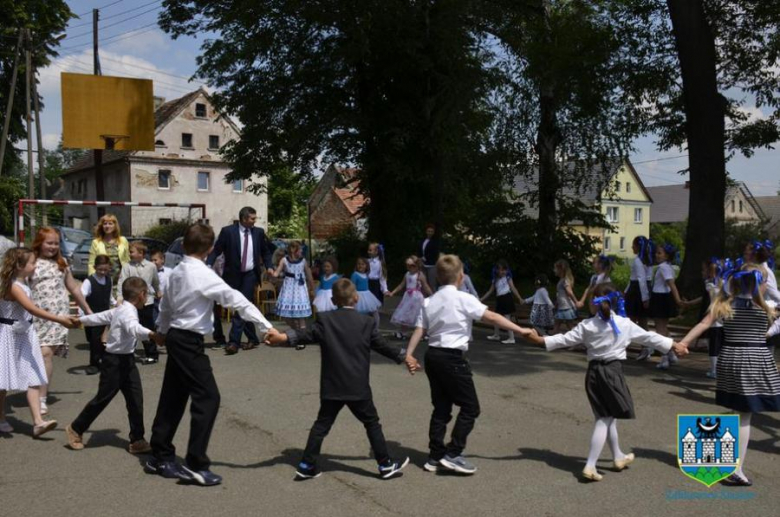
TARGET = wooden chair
x,y
265,299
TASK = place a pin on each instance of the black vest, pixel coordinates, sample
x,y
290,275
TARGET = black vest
x,y
99,299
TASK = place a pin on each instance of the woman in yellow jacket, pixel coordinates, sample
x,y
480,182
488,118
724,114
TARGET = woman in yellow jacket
x,y
109,241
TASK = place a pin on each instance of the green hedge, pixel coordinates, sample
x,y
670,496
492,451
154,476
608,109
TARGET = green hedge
x,y
168,232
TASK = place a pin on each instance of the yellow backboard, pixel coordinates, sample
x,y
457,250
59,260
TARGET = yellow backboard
x,y
95,105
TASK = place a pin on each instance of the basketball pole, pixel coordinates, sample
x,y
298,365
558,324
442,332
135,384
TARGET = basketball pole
x,y
28,119
41,150
97,154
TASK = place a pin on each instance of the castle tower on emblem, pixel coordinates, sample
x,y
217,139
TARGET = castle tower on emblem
x,y
727,447
705,445
689,447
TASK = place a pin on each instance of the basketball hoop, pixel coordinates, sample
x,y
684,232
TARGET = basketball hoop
x,y
111,140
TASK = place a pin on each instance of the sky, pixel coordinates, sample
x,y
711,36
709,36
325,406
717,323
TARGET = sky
x,y
133,46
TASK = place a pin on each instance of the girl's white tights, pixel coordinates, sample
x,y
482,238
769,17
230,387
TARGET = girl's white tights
x,y
605,429
744,438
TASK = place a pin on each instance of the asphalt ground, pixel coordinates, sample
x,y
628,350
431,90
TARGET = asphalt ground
x,y
529,444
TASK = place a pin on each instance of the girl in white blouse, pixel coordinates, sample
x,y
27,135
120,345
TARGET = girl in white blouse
x,y
606,336
664,298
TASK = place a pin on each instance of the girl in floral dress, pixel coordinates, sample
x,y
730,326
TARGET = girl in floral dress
x,y
294,304
50,284
415,289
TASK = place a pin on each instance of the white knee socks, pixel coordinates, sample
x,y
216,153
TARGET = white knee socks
x,y
744,438
600,432
614,445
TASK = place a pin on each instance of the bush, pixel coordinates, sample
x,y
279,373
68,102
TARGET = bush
x,y
168,232
346,247
621,275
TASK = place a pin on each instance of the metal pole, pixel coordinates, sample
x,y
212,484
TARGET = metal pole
x,y
28,118
9,108
41,154
308,215
97,154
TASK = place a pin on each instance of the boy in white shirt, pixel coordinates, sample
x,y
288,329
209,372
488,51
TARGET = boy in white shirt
x,y
117,367
158,259
447,316
144,269
186,315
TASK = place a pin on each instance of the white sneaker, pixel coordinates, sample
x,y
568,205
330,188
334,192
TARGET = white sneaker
x,y
663,365
645,354
494,337
5,427
509,341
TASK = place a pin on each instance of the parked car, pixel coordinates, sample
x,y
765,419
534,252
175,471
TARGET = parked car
x,y
175,253
80,261
70,238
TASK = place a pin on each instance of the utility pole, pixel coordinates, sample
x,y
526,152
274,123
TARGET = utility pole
x,y
41,154
9,108
97,156
28,119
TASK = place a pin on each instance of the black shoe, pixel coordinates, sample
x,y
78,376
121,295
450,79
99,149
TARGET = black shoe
x,y
166,469
92,370
392,468
231,349
202,477
149,360
306,471
735,480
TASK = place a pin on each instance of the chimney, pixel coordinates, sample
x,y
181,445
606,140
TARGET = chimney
x,y
158,101
687,185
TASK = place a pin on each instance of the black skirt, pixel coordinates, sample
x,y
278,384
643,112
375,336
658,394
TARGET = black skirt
x,y
376,289
607,390
635,308
662,306
715,338
505,304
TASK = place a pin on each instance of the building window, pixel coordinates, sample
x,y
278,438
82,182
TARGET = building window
x,y
612,214
637,215
238,185
740,206
159,143
186,140
733,210
164,180
628,187
203,181
607,243
200,110
617,186
164,221
622,243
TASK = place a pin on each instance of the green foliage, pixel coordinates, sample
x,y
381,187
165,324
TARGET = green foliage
x,y
739,235
621,275
45,19
346,247
673,233
709,476
168,232
294,226
11,189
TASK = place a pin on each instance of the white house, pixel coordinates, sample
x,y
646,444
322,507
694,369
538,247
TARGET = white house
x,y
185,167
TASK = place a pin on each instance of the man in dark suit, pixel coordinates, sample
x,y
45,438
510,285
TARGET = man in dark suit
x,y
247,254
429,252
347,339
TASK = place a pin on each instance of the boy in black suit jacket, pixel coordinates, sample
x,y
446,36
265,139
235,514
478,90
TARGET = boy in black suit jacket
x,y
347,338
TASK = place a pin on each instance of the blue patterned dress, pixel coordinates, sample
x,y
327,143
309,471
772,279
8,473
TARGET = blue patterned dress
x,y
294,297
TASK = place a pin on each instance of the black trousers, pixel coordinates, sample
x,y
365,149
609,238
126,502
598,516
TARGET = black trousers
x,y
96,348
449,375
246,284
364,410
188,375
146,318
117,373
218,334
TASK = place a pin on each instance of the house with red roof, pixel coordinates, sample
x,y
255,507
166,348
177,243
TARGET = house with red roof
x,y
335,205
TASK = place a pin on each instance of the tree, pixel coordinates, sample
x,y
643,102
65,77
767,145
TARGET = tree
x,y
45,19
705,56
397,88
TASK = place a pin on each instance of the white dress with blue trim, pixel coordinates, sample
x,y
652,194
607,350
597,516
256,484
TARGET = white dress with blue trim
x,y
323,299
294,297
367,302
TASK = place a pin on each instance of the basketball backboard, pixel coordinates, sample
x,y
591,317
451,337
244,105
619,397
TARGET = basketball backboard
x,y
97,106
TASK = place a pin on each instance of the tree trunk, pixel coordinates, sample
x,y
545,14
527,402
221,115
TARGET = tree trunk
x,y
547,139
705,110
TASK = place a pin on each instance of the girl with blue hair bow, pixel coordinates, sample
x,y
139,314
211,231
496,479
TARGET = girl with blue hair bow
x,y
665,299
606,336
761,253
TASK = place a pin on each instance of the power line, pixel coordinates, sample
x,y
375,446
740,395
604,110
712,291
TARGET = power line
x,y
131,32
661,159
101,7
120,22
115,15
154,70
81,65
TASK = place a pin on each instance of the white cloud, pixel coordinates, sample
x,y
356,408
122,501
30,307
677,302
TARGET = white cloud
x,y
50,140
754,113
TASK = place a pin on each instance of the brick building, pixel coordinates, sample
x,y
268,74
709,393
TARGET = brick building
x,y
335,204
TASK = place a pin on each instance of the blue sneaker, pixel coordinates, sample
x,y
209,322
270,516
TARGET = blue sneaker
x,y
458,464
166,469
392,468
306,471
202,477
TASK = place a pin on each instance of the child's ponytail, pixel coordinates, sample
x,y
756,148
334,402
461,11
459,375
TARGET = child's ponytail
x,y
609,299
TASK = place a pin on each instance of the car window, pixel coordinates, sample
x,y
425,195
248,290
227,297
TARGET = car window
x,y
75,236
84,246
177,248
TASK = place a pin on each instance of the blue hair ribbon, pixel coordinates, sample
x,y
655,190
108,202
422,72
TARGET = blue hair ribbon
x,y
617,303
742,276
